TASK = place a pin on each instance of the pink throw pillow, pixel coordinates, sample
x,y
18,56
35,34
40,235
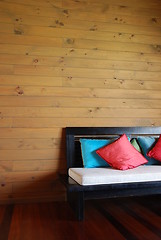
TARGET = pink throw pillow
x,y
155,152
121,154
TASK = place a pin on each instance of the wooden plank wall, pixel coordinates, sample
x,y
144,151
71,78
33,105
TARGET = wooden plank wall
x,y
71,63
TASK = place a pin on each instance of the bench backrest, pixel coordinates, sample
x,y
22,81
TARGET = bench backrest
x,y
73,134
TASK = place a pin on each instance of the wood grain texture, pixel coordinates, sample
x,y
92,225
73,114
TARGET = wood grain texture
x,y
132,220
71,63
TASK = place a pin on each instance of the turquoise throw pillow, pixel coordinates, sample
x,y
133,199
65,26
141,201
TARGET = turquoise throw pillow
x,y
89,155
146,144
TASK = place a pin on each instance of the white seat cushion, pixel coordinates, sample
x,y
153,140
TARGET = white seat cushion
x,y
96,176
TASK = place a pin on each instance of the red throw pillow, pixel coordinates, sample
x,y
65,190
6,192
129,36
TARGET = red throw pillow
x,y
155,152
121,154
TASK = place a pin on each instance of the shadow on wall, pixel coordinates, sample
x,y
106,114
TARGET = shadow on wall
x,y
38,186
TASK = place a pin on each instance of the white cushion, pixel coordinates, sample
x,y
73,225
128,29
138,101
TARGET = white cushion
x,y
96,176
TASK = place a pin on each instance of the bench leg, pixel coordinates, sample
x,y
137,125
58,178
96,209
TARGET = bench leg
x,y
76,201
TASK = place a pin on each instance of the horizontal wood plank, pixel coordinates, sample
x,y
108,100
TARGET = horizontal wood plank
x,y
31,91
15,101
49,123
41,112
31,133
96,51
30,80
28,176
31,154
69,62
10,144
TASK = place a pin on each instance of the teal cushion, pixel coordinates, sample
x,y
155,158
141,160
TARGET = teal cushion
x,y
89,155
146,144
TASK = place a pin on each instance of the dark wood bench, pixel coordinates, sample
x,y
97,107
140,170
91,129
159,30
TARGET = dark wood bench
x,y
77,194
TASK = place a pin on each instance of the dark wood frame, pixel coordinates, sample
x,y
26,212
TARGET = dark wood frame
x,y
77,194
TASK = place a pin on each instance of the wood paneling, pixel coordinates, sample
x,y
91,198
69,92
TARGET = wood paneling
x,y
71,63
